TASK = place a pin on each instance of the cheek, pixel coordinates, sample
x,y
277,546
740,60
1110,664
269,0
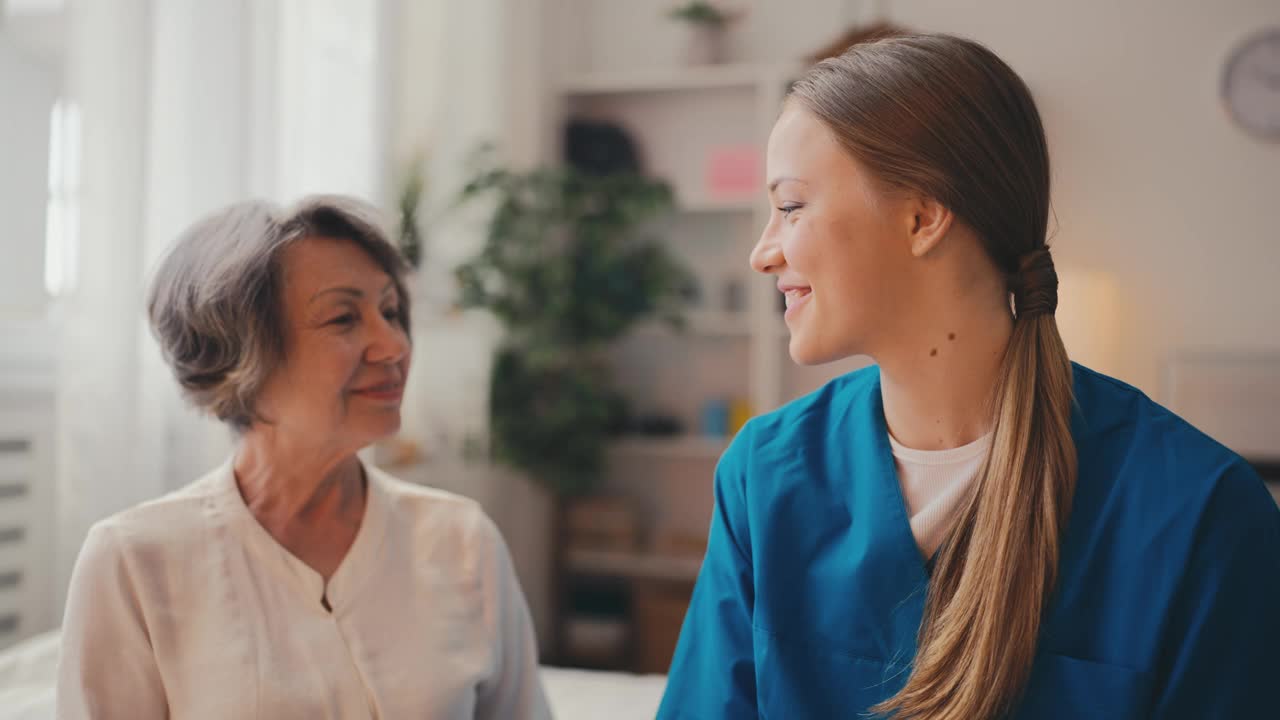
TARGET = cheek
x,y
823,252
804,245
330,363
849,264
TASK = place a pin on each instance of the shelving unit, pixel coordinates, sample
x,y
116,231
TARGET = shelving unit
x,y
733,347
640,566
675,115
659,80
690,447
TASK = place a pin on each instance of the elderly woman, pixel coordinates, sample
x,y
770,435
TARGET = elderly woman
x,y
294,581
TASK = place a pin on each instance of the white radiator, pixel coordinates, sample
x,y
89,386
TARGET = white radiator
x,y
26,515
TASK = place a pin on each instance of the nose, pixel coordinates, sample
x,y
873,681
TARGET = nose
x,y
389,344
766,256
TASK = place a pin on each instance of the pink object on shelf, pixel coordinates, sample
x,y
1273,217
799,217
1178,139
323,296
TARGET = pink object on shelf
x,y
733,172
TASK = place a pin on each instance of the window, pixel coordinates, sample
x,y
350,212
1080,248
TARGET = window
x,y
62,214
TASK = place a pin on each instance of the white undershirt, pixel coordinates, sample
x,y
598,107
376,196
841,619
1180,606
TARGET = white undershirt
x,y
933,484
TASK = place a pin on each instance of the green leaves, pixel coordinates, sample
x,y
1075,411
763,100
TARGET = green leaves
x,y
699,11
567,269
550,416
409,231
564,261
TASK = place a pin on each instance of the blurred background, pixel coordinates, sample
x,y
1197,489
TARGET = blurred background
x,y
626,137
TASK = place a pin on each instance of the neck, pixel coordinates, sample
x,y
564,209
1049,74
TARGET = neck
x,y
937,379
283,483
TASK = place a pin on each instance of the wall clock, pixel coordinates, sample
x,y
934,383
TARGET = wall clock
x,y
1251,85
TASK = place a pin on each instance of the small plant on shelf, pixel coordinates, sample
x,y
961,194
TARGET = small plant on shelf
x,y
700,12
706,23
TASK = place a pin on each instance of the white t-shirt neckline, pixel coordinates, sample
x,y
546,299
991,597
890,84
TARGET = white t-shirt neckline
x,y
934,482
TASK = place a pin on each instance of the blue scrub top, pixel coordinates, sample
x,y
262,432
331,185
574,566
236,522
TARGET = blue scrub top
x,y
812,589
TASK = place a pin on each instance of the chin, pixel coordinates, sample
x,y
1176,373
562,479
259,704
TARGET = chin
x,y
803,354
373,429
810,351
390,427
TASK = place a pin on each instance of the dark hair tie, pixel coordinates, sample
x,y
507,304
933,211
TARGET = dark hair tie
x,y
1035,285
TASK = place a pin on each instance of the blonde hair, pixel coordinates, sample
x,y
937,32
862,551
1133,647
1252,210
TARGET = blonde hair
x,y
215,304
944,117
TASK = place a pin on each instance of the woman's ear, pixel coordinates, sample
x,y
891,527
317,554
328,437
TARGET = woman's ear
x,y
928,222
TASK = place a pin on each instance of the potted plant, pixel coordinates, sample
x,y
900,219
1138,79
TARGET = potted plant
x,y
705,23
567,268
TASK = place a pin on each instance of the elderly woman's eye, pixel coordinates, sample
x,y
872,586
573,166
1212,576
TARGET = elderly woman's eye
x,y
391,314
343,320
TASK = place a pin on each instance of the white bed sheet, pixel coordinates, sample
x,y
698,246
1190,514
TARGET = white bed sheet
x,y
27,676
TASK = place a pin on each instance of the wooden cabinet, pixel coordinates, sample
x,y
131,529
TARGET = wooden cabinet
x,y
657,611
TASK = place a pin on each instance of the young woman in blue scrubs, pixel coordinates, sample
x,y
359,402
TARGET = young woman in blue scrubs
x,y
1081,552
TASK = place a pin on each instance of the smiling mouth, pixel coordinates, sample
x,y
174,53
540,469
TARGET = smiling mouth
x,y
384,391
796,298
795,295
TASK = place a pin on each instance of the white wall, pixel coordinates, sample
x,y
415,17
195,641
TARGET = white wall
x,y
28,89
1153,186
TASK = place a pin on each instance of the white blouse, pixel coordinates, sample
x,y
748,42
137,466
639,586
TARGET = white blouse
x,y
186,607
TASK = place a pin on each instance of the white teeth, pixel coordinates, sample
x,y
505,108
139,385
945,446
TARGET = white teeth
x,y
793,296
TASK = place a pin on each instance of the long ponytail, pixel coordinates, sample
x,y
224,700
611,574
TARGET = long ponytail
x,y
996,572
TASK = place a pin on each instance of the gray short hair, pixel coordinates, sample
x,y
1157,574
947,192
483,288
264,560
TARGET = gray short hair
x,y
215,300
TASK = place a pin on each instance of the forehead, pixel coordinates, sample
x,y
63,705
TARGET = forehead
x,y
803,147
315,263
800,140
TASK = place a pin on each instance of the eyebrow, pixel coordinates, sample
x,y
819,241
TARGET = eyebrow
x,y
350,291
774,183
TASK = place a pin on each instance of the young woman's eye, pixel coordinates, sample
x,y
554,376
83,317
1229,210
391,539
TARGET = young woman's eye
x,y
786,210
